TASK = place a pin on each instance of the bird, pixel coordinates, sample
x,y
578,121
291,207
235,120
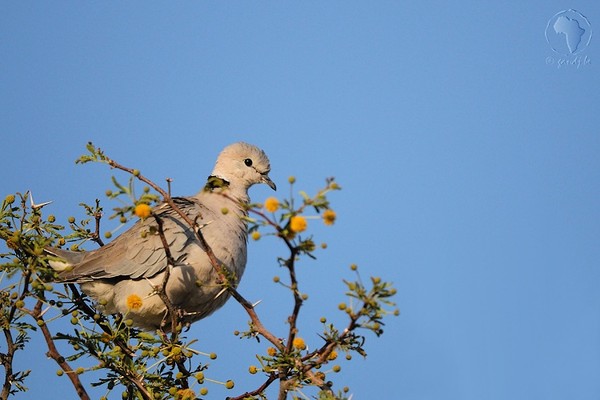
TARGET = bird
x,y
122,277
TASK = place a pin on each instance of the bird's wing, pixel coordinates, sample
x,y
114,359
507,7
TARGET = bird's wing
x,y
139,252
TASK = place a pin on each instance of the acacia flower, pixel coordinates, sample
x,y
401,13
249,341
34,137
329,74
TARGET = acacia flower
x,y
271,204
134,301
298,223
143,210
255,235
298,343
271,351
332,355
186,394
329,217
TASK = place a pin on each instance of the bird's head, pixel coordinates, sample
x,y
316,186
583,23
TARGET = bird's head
x,y
242,165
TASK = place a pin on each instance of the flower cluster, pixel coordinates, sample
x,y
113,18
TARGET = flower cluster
x,y
134,302
143,210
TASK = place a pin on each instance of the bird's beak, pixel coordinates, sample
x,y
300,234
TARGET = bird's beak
x,y
266,180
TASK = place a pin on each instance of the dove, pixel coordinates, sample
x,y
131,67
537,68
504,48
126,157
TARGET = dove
x,y
123,276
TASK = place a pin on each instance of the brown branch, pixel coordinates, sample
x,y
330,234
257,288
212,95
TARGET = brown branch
x,y
256,322
292,319
53,353
272,378
173,311
138,381
96,235
7,360
162,291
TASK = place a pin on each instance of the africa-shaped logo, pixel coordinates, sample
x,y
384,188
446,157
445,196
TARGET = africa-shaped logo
x,y
568,32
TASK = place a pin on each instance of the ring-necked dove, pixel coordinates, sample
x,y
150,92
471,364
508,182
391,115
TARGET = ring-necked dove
x,y
122,275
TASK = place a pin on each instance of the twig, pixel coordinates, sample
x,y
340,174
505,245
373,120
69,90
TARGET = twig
x,y
96,235
297,299
272,378
256,322
162,292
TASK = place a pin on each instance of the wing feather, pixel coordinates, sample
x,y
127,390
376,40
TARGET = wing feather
x,y
139,252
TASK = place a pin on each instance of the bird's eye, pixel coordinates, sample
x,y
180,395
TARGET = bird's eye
x,y
248,162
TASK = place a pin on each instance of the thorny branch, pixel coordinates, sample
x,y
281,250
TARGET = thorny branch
x,y
289,361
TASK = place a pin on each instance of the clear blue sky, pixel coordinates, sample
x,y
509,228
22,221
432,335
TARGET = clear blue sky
x,y
470,164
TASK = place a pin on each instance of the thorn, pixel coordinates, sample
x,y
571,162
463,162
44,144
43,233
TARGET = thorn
x,y
221,292
43,312
205,225
37,206
257,303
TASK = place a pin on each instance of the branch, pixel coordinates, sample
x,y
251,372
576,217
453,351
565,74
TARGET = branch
x,y
256,322
297,299
272,378
96,235
7,359
53,353
162,292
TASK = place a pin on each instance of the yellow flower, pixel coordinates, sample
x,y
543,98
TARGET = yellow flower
x,y
256,235
298,343
329,217
298,223
271,351
143,210
134,301
271,204
332,355
185,394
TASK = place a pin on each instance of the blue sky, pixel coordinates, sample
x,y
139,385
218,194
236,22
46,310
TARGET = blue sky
x,y
467,150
